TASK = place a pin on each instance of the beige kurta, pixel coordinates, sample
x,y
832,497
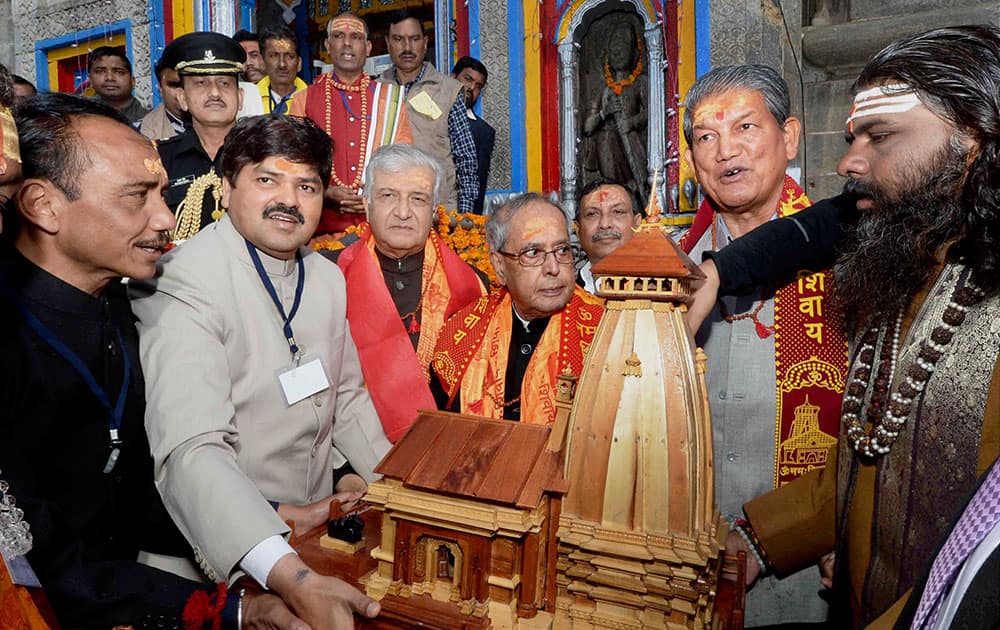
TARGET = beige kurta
x,y
224,440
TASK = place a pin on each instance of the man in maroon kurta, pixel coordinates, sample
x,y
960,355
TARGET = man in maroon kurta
x,y
357,113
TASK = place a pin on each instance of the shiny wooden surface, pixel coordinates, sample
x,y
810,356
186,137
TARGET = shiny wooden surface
x,y
23,608
729,600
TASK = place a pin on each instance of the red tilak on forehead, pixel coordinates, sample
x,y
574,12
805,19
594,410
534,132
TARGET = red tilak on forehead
x,y
602,195
719,115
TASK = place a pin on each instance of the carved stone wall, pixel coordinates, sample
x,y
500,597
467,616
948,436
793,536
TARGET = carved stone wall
x,y
834,53
7,36
495,98
753,31
41,19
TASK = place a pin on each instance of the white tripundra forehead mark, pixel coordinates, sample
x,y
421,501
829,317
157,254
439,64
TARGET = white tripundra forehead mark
x,y
892,98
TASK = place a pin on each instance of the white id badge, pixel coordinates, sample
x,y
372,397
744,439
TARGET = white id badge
x,y
303,380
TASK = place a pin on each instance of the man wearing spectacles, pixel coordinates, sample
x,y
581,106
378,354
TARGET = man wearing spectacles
x,y
499,356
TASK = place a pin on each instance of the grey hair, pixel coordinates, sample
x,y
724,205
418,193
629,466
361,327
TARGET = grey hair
x,y
754,77
396,158
498,223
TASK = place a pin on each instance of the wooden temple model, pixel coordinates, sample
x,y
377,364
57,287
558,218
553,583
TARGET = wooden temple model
x,y
606,519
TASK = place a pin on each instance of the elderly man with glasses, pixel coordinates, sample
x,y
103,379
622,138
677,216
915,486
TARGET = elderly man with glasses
x,y
499,356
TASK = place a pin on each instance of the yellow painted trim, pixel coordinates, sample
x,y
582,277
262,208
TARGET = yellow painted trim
x,y
568,16
183,12
687,68
677,220
56,55
53,75
533,93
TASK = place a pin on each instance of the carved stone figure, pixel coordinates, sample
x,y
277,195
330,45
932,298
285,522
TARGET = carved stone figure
x,y
615,106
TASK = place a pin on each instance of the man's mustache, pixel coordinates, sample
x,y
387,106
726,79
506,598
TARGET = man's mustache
x,y
291,211
161,241
859,188
602,234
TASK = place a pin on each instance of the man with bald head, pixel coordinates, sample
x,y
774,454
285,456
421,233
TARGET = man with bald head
x,y
499,356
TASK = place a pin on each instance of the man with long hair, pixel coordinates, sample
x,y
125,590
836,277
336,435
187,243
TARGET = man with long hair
x,y
919,271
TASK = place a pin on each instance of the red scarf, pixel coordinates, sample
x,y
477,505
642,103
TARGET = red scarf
x,y
396,376
809,338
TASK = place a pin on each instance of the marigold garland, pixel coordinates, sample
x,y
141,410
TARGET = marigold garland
x,y
618,86
465,233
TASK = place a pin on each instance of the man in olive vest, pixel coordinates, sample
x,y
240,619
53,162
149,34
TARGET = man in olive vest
x,y
436,107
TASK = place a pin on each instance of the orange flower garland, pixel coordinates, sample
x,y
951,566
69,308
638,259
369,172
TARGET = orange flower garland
x,y
467,238
618,86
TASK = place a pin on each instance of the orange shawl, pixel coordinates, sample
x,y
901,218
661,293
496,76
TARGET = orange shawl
x,y
472,353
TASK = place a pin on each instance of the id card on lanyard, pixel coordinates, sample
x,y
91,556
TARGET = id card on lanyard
x,y
115,413
302,378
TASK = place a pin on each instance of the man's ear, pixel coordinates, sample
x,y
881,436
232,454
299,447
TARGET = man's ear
x,y
182,98
636,219
227,189
792,130
40,202
497,261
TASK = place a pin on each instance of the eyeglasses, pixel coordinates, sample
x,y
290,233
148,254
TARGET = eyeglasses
x,y
535,257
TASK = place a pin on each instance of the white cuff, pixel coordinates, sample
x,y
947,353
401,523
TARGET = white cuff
x,y
261,559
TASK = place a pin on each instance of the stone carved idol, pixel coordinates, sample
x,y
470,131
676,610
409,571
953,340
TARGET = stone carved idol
x,y
613,96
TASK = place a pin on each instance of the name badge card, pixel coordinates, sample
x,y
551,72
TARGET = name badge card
x,y
303,380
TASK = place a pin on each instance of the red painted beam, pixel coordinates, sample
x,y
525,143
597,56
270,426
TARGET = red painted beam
x,y
549,67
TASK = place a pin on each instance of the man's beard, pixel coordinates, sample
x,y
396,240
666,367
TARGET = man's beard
x,y
895,247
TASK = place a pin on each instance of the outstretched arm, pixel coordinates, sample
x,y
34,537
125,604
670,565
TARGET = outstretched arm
x,y
773,253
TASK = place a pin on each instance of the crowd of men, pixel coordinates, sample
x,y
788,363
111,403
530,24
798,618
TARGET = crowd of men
x,y
161,433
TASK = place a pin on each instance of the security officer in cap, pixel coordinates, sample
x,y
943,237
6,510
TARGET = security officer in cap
x,y
209,65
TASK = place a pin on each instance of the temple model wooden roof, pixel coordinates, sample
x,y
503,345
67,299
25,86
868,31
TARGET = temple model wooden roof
x,y
490,460
650,254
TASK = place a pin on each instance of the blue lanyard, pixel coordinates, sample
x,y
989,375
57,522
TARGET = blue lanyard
x,y
289,335
115,413
282,105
